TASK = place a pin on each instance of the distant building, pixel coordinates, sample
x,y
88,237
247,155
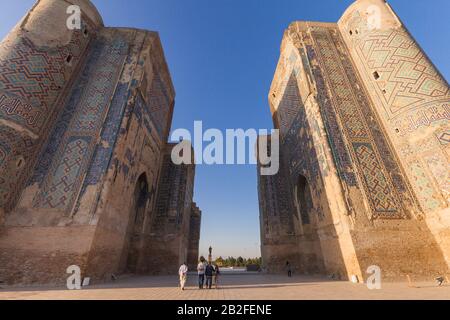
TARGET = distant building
x,y
85,169
364,123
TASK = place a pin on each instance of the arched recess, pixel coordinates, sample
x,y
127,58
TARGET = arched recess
x,y
136,223
304,199
311,260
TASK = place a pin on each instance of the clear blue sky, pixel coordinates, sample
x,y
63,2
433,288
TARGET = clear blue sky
x,y
222,56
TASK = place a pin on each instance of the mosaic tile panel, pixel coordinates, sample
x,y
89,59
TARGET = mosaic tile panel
x,y
32,78
104,150
299,152
64,120
276,204
12,148
411,90
407,77
103,154
160,105
68,169
31,82
370,151
374,178
175,192
289,105
425,187
144,116
340,152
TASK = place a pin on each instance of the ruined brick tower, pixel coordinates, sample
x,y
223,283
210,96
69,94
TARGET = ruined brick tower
x,y
84,119
364,124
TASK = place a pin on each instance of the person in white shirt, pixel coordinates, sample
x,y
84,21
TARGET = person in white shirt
x,y
201,274
183,275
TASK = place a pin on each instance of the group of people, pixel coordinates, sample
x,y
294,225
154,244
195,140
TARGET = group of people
x,y
210,273
206,272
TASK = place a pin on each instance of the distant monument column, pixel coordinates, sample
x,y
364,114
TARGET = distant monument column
x,y
210,255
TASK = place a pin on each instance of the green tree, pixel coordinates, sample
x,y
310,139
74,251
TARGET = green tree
x,y
220,261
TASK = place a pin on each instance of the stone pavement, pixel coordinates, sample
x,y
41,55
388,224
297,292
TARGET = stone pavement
x,y
234,287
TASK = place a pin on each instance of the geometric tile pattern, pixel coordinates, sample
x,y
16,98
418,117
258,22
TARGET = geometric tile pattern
x,y
175,192
302,159
109,135
64,120
159,105
13,147
2,155
428,170
426,192
444,138
104,151
31,80
374,178
142,112
340,152
64,179
36,76
62,124
408,78
415,102
368,147
289,105
67,172
276,204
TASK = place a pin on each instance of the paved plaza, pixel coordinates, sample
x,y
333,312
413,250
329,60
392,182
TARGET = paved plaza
x,y
234,287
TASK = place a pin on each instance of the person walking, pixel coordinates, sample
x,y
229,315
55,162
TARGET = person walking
x,y
209,272
182,272
288,269
201,274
